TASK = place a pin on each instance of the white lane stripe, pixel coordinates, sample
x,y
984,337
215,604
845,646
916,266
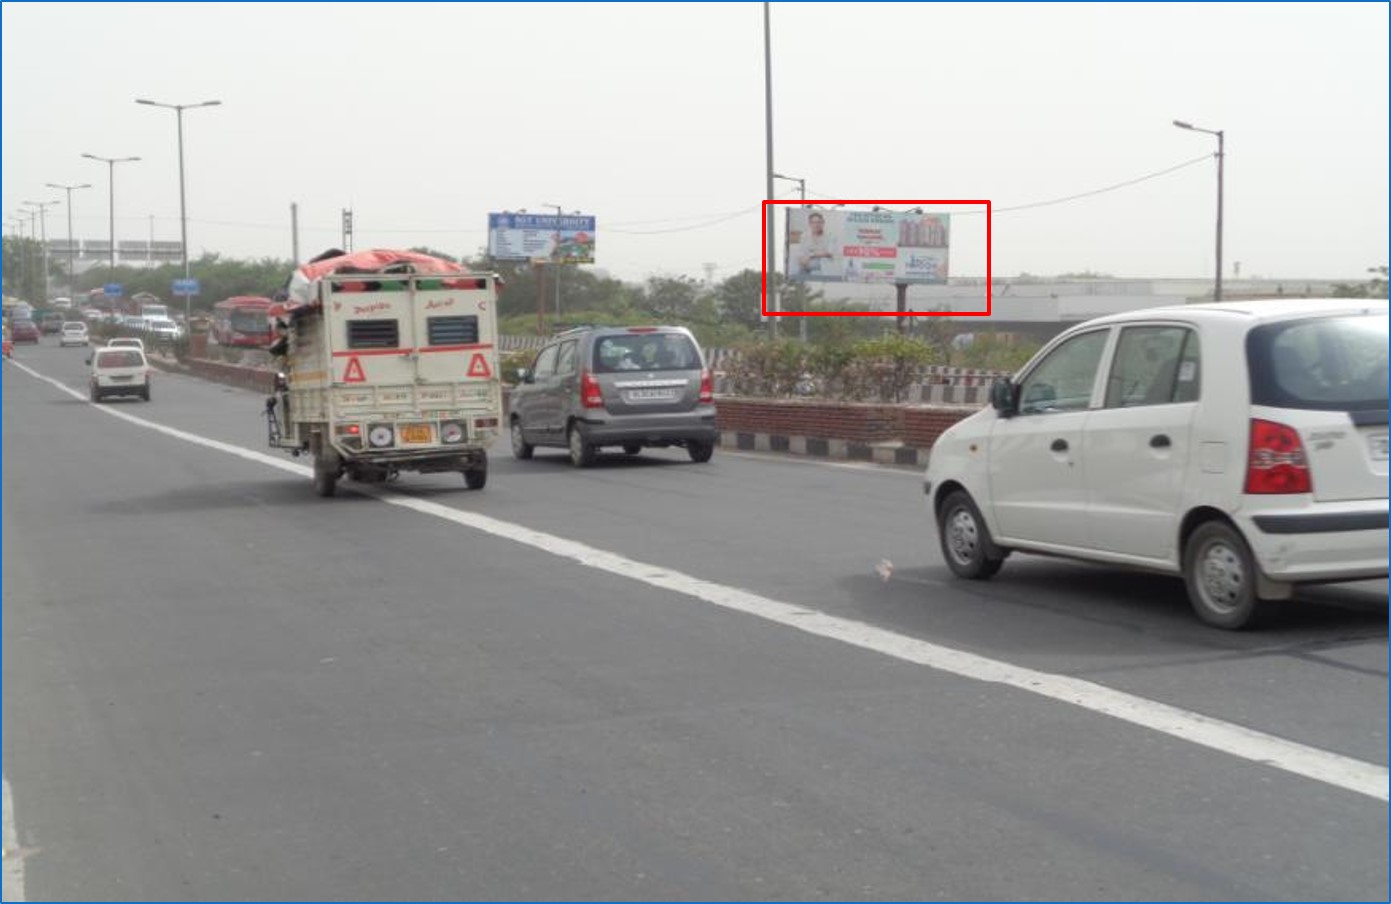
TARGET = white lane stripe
x,y
1311,762
12,879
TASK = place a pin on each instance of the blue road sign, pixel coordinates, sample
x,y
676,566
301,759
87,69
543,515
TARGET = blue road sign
x,y
185,287
112,290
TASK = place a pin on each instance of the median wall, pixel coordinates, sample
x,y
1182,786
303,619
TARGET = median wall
x,y
887,434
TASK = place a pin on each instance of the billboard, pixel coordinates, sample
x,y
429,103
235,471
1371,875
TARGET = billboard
x,y
863,246
565,239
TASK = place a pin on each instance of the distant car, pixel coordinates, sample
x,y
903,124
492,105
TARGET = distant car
x,y
50,321
1241,446
62,303
24,331
131,321
74,332
126,342
162,328
93,314
631,387
119,371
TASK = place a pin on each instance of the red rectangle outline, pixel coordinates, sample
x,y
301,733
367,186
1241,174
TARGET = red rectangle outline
x,y
763,299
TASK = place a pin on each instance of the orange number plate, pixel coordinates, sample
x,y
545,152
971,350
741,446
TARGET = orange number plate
x,y
415,433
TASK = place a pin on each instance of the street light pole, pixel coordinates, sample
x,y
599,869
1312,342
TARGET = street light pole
x,y
183,207
111,201
42,208
556,255
802,190
72,251
1221,156
768,124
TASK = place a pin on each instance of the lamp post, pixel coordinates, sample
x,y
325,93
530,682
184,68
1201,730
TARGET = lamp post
x,y
183,207
768,126
1221,155
787,253
111,201
42,207
72,251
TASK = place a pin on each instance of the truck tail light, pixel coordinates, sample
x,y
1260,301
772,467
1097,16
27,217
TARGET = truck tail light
x,y
707,387
1275,463
591,396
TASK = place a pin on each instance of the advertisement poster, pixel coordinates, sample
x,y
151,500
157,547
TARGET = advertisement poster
x,y
529,236
867,246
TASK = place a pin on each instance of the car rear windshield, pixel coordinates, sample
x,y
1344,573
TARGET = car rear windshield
x,y
645,351
120,358
1323,363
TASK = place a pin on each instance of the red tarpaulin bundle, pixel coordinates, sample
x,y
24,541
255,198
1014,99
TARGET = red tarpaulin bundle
x,y
376,260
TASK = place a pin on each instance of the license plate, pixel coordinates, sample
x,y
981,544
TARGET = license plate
x,y
415,433
651,395
1377,444
127,379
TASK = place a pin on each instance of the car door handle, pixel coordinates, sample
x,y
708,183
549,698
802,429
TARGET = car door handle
x,y
1059,445
1160,441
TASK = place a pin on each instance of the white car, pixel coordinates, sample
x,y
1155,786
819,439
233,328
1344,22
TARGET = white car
x,y
119,371
73,333
126,342
162,328
1242,446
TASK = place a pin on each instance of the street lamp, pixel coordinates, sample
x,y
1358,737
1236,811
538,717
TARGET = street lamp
x,y
42,207
111,202
1221,155
72,251
183,208
801,184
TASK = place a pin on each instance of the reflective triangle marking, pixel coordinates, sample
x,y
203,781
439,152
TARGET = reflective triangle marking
x,y
353,372
478,366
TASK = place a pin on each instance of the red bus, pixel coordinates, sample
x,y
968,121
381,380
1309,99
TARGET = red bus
x,y
243,320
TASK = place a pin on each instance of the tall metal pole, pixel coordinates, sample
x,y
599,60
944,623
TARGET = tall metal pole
x,y
294,233
111,199
183,204
42,208
72,249
1221,157
768,116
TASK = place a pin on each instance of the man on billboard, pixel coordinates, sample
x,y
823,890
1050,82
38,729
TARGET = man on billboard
x,y
815,250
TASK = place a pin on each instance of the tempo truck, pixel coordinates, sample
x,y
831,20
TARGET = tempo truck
x,y
390,365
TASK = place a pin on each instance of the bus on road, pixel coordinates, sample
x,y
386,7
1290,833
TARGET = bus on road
x,y
243,320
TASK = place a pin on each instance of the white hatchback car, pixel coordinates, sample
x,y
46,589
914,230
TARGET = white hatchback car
x,y
73,333
119,371
1242,446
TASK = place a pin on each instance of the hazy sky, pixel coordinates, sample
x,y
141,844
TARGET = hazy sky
x,y
650,116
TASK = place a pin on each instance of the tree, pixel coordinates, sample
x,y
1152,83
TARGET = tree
x,y
670,299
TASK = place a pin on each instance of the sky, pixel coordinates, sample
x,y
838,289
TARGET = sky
x,y
423,118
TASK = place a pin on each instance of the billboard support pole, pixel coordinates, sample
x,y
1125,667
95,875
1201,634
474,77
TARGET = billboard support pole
x,y
768,116
540,269
902,302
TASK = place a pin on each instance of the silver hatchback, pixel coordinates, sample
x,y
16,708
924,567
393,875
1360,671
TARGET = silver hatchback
x,y
631,387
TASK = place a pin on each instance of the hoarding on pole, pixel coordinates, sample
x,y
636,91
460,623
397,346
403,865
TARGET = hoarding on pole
x,y
567,239
863,246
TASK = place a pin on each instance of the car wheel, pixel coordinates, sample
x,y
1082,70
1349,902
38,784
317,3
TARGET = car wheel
x,y
632,448
1221,576
581,452
966,543
520,447
700,450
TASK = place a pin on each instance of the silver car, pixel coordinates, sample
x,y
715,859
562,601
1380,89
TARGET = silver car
x,y
632,387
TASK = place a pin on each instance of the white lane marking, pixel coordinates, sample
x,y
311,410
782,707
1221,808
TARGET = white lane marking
x,y
1325,766
12,880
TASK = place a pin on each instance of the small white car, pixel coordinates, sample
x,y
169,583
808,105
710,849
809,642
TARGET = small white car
x,y
73,333
161,328
126,342
1242,446
119,371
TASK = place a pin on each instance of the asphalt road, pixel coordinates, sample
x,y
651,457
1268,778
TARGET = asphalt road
x,y
648,680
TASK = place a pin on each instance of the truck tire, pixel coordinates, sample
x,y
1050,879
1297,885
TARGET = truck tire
x,y
476,475
326,468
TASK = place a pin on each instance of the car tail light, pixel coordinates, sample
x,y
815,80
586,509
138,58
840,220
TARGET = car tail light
x,y
1276,462
707,387
591,396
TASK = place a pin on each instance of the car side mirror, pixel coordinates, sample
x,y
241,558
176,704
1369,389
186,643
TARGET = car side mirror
x,y
1004,397
525,376
89,360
